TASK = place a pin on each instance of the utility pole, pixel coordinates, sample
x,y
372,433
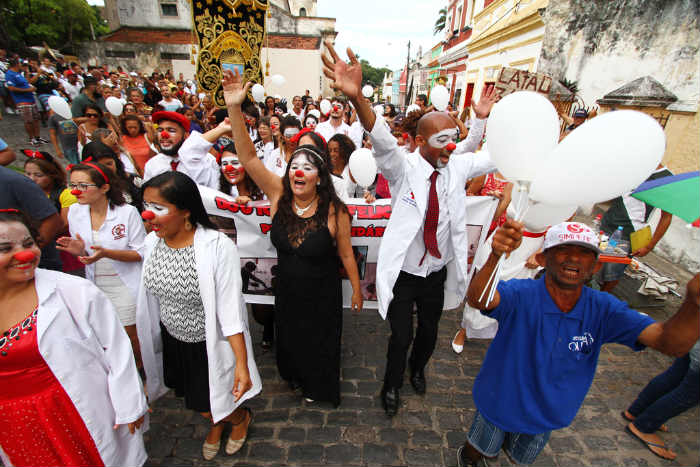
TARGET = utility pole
x,y
408,67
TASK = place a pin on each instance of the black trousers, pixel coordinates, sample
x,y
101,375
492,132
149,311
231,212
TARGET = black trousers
x,y
428,294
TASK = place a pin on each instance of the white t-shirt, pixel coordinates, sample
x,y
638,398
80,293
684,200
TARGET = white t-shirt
x,y
275,163
327,130
171,106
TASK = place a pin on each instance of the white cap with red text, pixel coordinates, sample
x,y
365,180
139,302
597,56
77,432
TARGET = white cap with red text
x,y
571,233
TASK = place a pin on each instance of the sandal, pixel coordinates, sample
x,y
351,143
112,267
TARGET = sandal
x,y
651,445
631,418
209,451
235,445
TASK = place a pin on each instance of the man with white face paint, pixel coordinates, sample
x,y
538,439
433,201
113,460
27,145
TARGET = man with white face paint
x,y
335,125
423,255
183,151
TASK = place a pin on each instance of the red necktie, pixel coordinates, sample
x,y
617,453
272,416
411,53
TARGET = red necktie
x,y
431,220
173,164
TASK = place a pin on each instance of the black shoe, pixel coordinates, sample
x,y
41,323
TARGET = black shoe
x,y
390,401
463,460
418,381
266,344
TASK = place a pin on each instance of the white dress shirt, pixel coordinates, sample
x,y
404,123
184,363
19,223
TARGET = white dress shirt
x,y
194,160
327,130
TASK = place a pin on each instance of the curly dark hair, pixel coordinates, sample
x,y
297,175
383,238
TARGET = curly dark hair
x,y
325,190
409,124
256,193
346,147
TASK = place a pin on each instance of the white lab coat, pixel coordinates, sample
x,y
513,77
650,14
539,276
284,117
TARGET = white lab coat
x,y
219,274
122,229
409,201
83,342
195,162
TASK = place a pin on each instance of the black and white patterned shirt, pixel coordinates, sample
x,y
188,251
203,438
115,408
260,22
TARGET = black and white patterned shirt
x,y
171,276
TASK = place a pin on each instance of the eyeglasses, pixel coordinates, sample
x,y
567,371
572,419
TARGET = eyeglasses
x,y
92,115
81,186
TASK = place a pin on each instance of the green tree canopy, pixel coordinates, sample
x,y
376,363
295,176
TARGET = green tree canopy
x,y
59,23
371,75
440,23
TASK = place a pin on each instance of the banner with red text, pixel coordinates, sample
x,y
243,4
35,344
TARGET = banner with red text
x,y
249,227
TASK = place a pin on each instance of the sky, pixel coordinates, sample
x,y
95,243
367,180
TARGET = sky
x,y
379,30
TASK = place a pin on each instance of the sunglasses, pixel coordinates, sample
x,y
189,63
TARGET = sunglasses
x,y
92,115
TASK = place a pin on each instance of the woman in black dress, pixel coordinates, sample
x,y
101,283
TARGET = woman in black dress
x,y
310,229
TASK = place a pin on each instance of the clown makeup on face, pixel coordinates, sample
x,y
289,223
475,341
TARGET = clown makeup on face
x,y
303,174
231,168
290,132
155,208
310,123
275,126
19,254
442,138
170,137
163,217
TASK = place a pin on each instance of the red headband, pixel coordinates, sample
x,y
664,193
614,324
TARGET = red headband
x,y
98,169
304,131
33,154
10,210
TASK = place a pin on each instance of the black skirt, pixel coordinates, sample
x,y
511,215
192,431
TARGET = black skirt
x,y
186,370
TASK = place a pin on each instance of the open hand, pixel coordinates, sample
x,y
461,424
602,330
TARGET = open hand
x,y
74,246
489,96
135,425
346,77
507,238
98,254
234,90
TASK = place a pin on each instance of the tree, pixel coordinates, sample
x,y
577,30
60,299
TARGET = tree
x,y
59,23
371,75
441,21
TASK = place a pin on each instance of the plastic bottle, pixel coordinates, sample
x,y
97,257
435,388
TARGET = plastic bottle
x,y
615,238
596,222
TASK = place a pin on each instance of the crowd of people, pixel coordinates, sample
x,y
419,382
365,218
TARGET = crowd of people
x,y
108,255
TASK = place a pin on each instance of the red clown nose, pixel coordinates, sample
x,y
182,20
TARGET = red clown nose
x,y
229,169
336,108
451,146
164,135
299,173
76,192
148,215
25,256
404,135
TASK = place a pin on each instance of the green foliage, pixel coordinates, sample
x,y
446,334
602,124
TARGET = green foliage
x,y
570,85
371,75
440,23
59,23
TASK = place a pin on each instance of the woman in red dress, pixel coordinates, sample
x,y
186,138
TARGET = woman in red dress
x,y
70,392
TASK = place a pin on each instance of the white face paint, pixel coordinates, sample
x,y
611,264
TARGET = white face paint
x,y
303,162
14,235
290,132
230,161
156,209
310,123
442,138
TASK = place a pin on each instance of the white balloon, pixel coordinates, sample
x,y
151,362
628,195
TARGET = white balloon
x,y
600,160
412,108
379,110
539,216
278,80
363,167
258,92
440,97
368,91
60,106
114,106
523,129
325,106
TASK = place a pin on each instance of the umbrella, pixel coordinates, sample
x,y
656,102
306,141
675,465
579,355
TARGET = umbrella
x,y
678,195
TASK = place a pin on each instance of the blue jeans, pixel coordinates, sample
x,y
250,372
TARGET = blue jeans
x,y
669,394
488,439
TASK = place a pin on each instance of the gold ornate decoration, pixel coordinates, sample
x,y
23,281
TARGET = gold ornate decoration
x,y
229,36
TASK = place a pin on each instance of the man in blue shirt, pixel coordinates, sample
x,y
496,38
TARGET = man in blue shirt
x,y
541,363
23,94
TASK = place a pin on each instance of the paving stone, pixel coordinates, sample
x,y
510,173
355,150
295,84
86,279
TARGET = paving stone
x,y
449,419
324,435
374,454
359,434
307,417
369,388
176,462
375,418
565,444
305,454
343,454
347,387
256,432
426,438
286,401
415,418
343,417
357,402
357,373
599,443
393,436
455,439
265,452
188,448
160,447
423,456
293,434
272,416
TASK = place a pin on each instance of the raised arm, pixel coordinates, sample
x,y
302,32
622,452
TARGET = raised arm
x,y
234,95
482,109
505,240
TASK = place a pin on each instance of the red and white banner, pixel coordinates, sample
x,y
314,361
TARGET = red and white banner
x,y
249,227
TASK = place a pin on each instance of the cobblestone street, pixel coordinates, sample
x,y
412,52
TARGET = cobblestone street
x,y
428,429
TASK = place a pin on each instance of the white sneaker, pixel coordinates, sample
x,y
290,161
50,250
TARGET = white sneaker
x,y
9,111
309,400
457,348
